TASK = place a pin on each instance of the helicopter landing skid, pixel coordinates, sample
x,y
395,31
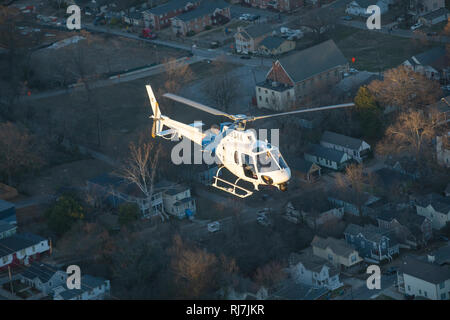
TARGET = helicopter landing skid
x,y
230,187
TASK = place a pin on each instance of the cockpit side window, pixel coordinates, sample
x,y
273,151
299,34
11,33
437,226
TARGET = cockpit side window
x,y
265,162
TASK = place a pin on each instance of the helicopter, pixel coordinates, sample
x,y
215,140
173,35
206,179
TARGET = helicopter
x,y
234,148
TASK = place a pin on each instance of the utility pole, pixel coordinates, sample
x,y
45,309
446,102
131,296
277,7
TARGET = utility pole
x,y
10,279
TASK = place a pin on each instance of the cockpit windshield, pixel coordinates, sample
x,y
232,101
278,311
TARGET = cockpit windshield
x,y
270,161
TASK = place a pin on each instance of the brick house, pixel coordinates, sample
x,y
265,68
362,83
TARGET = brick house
x,y
299,75
208,13
280,5
275,46
159,17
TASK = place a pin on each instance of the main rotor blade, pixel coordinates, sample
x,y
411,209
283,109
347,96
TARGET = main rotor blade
x,y
197,105
336,106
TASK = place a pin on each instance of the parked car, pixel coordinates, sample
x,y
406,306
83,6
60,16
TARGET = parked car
x,y
391,270
214,44
245,57
253,17
416,26
432,34
99,20
244,16
346,18
214,226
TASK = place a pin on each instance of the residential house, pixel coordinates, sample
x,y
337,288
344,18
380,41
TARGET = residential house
x,y
159,17
21,249
441,256
208,13
356,149
278,5
419,8
421,278
135,18
301,74
7,192
372,243
443,150
434,64
359,7
305,170
434,17
177,200
43,277
440,110
247,40
290,290
411,230
338,252
436,208
314,212
390,179
288,5
275,46
325,157
311,270
115,190
7,229
355,204
244,289
92,288
405,165
7,212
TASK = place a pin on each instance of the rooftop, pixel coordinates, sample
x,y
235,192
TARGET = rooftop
x,y
39,270
326,153
429,272
272,42
18,242
205,8
341,140
338,246
438,202
370,232
314,60
170,6
311,262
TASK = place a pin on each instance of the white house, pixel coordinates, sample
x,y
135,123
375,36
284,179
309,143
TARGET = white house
x,y
325,157
314,271
436,208
359,7
43,277
423,278
22,248
92,288
355,148
179,202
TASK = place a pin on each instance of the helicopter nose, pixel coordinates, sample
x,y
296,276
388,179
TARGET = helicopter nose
x,y
281,176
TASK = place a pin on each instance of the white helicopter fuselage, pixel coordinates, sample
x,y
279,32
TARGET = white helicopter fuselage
x,y
250,159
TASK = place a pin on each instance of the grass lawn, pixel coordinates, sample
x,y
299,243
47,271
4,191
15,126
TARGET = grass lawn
x,y
375,51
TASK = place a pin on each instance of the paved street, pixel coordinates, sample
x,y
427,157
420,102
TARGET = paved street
x,y
360,291
398,32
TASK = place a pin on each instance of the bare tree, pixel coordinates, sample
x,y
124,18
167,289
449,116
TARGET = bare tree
x,y
223,90
18,150
353,182
411,133
195,269
405,89
141,167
